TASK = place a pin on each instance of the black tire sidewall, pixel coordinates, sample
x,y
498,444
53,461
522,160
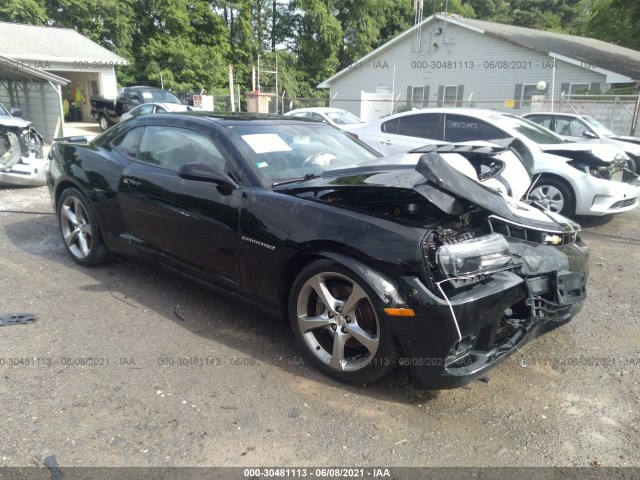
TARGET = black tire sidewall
x,y
387,353
98,251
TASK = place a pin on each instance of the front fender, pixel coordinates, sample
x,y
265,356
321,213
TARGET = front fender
x,y
385,288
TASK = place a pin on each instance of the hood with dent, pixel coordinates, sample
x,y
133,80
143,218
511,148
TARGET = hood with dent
x,y
441,184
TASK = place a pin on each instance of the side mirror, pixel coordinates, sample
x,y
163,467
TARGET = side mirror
x,y
206,172
16,112
589,134
135,101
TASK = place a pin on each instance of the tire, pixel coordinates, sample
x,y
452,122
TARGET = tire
x,y
79,229
104,122
554,195
356,346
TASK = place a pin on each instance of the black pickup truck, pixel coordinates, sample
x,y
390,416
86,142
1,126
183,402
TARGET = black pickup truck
x,y
108,111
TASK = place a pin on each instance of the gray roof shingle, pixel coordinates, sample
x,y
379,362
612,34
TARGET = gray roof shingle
x,y
588,50
50,44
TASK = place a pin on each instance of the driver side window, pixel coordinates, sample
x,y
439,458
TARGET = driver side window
x,y
172,147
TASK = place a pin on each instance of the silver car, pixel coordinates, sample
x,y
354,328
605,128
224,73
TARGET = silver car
x,y
21,156
583,128
568,178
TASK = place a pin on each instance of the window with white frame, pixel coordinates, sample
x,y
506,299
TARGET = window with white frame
x,y
575,88
417,96
450,96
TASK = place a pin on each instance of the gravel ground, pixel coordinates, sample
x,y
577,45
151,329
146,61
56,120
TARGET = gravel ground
x,y
570,398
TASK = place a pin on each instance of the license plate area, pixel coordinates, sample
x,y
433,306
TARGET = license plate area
x,y
571,287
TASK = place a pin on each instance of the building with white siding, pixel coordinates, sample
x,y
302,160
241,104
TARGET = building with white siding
x,y
447,60
81,64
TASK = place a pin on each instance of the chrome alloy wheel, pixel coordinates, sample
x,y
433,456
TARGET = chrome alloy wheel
x,y
76,228
337,322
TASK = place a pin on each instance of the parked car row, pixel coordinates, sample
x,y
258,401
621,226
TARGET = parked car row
x,y
422,259
568,178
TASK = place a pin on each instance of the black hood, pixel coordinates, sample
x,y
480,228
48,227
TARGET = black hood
x,y
444,186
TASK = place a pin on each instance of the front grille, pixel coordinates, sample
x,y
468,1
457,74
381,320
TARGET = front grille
x,y
522,232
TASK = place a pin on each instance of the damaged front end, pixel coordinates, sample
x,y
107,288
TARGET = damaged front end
x,y
21,154
496,274
606,162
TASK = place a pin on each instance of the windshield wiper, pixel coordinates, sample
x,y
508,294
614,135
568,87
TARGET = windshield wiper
x,y
308,176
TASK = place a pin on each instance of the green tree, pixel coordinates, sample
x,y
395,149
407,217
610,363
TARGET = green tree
x,y
106,22
22,11
319,39
616,21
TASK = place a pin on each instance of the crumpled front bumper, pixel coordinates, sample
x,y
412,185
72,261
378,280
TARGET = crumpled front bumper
x,y
456,339
28,172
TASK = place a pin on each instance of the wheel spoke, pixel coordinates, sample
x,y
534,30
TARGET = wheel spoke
x,y
337,356
320,287
306,323
68,213
83,243
80,215
357,294
369,341
71,237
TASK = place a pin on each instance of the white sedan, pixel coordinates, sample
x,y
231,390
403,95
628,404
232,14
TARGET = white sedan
x,y
568,178
333,116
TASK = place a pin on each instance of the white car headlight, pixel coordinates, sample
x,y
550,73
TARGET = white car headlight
x,y
475,256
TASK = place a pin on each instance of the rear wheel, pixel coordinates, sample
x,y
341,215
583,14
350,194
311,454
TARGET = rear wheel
x,y
333,315
554,195
104,122
79,229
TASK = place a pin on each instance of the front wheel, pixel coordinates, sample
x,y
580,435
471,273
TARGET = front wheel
x,y
554,195
80,230
333,315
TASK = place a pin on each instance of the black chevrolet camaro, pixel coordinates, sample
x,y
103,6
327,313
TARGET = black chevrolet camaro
x,y
373,265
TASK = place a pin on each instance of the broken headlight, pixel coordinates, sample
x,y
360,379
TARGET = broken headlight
x,y
476,256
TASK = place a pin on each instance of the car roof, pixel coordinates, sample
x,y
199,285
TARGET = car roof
x,y
528,114
229,119
473,112
318,109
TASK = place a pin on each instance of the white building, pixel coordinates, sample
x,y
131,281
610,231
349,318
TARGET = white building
x,y
447,60
74,61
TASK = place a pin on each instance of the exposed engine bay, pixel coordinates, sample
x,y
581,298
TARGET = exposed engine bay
x,y
19,142
21,154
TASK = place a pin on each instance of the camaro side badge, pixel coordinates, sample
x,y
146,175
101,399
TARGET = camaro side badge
x,y
256,242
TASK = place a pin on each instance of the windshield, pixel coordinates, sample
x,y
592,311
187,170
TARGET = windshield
x,y
529,129
343,118
4,111
282,152
159,96
598,127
